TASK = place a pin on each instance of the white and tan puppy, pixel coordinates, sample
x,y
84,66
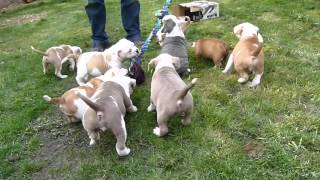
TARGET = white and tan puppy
x,y
108,107
71,105
97,63
247,56
174,42
169,94
57,55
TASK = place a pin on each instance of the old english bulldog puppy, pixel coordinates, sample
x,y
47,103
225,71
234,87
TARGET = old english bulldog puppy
x,y
97,63
108,107
215,49
169,94
71,105
173,42
247,56
58,55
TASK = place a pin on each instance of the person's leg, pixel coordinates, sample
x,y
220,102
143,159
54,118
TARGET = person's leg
x,y
96,12
130,10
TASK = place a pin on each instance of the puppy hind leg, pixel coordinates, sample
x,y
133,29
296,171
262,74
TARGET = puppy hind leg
x,y
80,79
243,77
151,107
229,66
58,68
256,80
45,66
93,136
163,128
121,135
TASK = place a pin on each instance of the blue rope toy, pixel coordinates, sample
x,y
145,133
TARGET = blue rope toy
x,y
144,47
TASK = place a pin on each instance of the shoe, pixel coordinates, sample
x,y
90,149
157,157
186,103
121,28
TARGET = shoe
x,y
99,45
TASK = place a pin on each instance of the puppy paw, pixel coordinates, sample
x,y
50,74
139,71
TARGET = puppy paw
x,y
63,76
156,131
253,84
225,72
132,108
92,142
185,122
150,108
124,152
242,80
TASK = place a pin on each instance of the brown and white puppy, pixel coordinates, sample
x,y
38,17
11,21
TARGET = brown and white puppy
x,y
71,105
108,107
215,49
169,94
247,56
57,55
97,63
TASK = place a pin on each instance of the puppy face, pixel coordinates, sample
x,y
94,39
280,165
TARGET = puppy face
x,y
126,49
76,50
171,27
168,27
245,29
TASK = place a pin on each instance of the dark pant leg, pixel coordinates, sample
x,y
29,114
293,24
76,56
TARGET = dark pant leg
x,y
130,10
96,12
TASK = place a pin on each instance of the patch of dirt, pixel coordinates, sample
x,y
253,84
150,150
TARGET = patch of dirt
x,y
254,150
269,17
24,19
58,139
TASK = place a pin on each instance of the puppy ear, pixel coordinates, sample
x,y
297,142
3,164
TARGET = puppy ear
x,y
119,53
168,26
237,30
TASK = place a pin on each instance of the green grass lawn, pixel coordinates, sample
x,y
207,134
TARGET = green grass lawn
x,y
270,132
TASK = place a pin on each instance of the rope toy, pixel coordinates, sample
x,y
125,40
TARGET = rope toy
x,y
160,14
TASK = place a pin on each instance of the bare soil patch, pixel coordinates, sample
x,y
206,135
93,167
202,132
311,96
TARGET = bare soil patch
x,y
24,19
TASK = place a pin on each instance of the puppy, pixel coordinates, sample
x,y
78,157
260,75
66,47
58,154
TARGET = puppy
x,y
57,56
108,107
71,105
215,49
174,42
97,63
247,56
169,94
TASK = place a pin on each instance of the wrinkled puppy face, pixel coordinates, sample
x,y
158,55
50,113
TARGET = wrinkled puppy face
x,y
127,49
245,29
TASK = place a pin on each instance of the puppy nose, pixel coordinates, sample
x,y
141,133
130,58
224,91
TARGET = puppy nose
x,y
137,51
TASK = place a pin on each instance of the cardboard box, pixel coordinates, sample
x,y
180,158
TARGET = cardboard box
x,y
197,10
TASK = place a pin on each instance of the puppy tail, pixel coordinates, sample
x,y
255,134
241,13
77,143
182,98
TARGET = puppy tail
x,y
90,103
38,51
185,91
256,51
56,100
